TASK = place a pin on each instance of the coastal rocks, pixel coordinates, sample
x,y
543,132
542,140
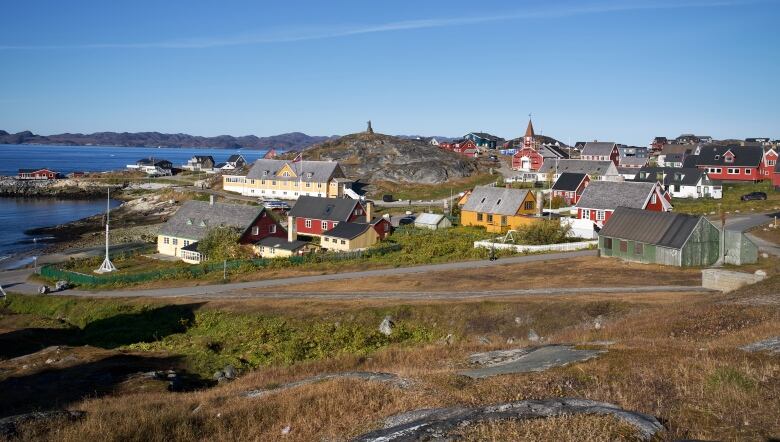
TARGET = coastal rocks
x,y
389,378
226,374
770,345
9,426
524,360
67,188
387,325
440,423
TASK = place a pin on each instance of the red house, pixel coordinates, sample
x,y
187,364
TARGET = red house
x,y
382,226
311,215
37,174
601,198
733,163
596,151
768,166
570,186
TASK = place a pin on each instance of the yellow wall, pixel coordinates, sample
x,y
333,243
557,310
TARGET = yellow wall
x,y
170,248
282,189
366,240
265,252
513,222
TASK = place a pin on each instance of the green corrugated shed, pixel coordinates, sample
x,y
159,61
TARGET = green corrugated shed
x,y
660,238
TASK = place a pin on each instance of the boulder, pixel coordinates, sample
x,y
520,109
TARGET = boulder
x,y
387,325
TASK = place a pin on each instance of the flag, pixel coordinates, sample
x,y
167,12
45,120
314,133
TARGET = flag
x,y
298,158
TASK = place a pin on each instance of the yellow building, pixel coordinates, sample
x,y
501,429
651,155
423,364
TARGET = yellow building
x,y
273,247
280,179
498,209
348,236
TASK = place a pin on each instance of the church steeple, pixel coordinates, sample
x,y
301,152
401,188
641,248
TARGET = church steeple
x,y
529,132
528,139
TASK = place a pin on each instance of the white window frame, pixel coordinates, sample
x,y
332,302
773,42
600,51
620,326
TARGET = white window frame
x,y
255,230
307,223
272,228
732,171
166,240
585,213
600,215
324,225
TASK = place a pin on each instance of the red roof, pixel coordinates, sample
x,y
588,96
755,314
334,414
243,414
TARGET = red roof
x,y
529,132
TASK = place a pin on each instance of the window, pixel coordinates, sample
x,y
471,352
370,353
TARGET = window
x,y
770,162
503,220
623,246
600,215
272,228
319,185
387,227
358,212
747,171
308,184
273,183
608,243
733,171
528,205
176,241
261,181
728,159
654,198
324,225
326,239
479,217
286,173
166,240
639,248
490,218
343,242
202,223
189,221
585,213
307,223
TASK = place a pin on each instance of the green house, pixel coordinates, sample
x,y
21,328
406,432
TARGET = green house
x,y
660,238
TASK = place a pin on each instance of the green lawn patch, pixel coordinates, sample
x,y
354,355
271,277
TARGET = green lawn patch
x,y
732,192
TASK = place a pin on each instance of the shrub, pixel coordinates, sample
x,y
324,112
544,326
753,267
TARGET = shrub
x,y
545,232
221,243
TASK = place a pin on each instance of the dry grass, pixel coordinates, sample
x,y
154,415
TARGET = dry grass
x,y
675,357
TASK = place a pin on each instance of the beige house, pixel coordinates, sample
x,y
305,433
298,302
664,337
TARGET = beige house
x,y
273,247
281,179
348,236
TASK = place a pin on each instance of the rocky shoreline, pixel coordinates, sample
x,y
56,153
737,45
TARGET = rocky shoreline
x,y
64,189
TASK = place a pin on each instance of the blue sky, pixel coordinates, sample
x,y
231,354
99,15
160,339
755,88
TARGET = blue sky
x,y
623,71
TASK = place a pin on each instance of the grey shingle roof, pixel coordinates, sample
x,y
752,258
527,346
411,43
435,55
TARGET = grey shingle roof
x,y
194,218
598,148
495,200
744,156
347,230
331,209
432,219
314,171
281,243
609,195
633,161
665,229
688,176
600,168
568,181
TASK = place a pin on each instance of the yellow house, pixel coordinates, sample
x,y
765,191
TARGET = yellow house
x,y
349,236
499,209
280,179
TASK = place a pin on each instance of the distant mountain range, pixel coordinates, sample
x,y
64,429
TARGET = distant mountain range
x,y
283,142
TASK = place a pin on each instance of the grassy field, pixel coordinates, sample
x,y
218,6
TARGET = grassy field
x,y
731,202
675,357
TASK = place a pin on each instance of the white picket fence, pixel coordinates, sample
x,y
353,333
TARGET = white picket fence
x,y
521,248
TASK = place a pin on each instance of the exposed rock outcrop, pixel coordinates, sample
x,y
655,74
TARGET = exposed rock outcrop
x,y
439,423
376,157
69,188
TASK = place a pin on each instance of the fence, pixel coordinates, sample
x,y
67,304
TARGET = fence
x,y
564,247
195,271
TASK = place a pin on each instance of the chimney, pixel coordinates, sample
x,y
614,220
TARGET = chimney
x,y
540,202
211,200
369,211
292,234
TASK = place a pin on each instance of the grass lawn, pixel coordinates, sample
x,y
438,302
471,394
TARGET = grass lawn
x,y
731,200
431,191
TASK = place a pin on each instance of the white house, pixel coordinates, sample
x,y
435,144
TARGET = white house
x,y
682,182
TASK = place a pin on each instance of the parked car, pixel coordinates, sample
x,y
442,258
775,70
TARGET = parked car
x,y
387,198
406,220
757,196
276,205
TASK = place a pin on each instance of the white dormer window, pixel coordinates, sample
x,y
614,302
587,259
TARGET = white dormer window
x,y
324,225
286,174
189,221
202,224
728,158
717,157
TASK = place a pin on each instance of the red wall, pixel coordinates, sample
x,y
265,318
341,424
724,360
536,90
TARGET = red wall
x,y
263,222
536,158
316,224
380,229
753,174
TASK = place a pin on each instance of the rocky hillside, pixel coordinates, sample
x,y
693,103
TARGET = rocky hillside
x,y
376,157
283,142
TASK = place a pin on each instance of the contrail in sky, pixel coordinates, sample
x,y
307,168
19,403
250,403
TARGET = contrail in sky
x,y
320,33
